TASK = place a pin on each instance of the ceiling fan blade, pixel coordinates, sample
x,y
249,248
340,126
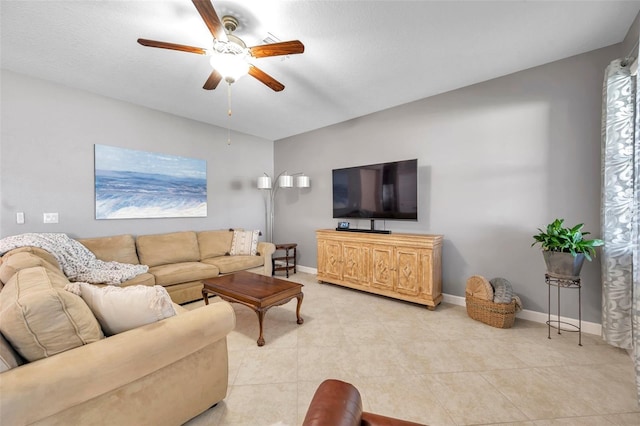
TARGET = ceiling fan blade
x,y
277,49
210,18
265,78
212,81
172,46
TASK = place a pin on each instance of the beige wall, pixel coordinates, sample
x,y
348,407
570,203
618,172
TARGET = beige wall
x,y
496,161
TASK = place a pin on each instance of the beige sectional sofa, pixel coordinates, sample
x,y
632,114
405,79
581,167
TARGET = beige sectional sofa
x,y
179,261
161,373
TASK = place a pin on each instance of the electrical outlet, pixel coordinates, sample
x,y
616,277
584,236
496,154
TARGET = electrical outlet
x,y
50,218
20,218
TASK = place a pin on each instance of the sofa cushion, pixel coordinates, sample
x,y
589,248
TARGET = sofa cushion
x,y
214,243
120,309
23,260
9,358
185,292
39,318
244,243
45,255
119,248
164,249
142,279
182,272
228,264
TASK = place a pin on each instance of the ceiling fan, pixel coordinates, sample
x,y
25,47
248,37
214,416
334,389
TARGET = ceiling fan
x,y
230,55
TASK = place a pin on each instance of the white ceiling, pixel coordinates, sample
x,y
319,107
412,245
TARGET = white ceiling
x,y
361,56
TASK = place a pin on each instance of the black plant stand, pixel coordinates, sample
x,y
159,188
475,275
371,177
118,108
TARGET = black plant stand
x,y
564,282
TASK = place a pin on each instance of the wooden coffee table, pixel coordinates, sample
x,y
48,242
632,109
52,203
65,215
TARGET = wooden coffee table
x,y
258,292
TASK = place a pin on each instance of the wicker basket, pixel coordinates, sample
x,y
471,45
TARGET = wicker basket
x,y
500,315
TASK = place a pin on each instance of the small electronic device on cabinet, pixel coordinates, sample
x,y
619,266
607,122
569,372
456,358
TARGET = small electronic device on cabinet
x,y
343,225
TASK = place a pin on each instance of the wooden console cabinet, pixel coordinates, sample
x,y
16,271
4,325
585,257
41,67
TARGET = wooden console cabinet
x,y
402,266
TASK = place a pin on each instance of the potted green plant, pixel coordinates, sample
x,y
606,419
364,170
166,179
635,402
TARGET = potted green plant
x,y
564,249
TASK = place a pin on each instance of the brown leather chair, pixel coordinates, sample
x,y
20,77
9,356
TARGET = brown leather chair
x,y
337,403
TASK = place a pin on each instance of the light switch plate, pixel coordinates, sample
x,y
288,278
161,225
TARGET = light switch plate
x,y
50,218
20,218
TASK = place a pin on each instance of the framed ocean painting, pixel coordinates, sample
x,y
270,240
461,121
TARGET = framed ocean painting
x,y
134,184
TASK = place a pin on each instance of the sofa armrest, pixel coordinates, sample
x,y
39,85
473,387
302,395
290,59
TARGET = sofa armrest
x,y
334,403
339,403
266,250
72,377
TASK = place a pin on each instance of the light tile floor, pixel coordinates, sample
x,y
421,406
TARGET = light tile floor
x,y
436,367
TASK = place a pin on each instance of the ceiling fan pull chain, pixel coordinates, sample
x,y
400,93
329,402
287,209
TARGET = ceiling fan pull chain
x,y
229,114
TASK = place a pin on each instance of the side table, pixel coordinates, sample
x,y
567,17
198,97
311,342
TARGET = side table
x,y
564,282
288,261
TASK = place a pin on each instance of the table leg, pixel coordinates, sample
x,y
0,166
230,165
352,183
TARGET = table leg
x,y
205,296
559,310
295,257
299,297
286,261
579,316
549,311
260,320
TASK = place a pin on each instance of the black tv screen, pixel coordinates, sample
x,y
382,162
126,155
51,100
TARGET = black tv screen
x,y
377,191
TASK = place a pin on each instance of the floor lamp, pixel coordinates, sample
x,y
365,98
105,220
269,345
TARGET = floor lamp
x,y
283,180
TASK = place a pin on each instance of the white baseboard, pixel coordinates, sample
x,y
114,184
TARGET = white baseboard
x,y
307,269
525,314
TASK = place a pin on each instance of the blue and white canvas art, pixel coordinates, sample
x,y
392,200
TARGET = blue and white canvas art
x,y
138,184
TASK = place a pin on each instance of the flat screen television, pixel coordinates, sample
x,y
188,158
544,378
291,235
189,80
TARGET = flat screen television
x,y
377,191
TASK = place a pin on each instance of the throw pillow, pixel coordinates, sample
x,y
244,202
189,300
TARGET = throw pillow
x,y
502,290
23,260
244,243
479,287
40,319
214,243
118,248
120,309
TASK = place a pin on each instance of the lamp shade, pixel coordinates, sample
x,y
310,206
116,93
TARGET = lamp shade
x,y
264,182
303,181
286,181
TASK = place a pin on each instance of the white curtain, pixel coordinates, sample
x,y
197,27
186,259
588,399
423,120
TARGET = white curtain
x,y
620,217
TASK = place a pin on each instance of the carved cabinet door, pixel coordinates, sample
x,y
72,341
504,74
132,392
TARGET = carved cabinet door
x,y
332,259
408,277
431,265
356,258
351,262
382,259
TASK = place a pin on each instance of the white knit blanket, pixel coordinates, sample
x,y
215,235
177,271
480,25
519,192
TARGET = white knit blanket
x,y
77,262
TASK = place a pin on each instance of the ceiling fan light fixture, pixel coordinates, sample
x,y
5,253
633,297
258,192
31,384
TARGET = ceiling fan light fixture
x,y
230,66
230,55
